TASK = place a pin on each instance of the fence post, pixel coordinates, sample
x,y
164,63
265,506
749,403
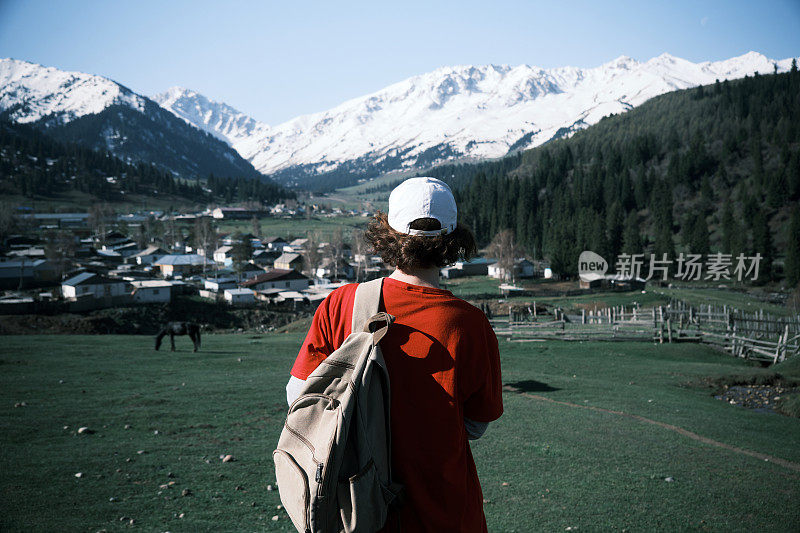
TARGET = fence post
x,y
780,354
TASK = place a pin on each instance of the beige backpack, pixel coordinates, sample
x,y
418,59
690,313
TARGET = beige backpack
x,y
333,461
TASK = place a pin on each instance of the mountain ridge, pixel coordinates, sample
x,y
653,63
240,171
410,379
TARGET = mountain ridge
x,y
100,113
469,111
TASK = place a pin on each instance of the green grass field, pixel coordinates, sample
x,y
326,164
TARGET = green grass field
x,y
744,301
296,227
544,466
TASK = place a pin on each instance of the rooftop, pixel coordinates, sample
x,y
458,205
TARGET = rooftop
x,y
89,278
287,257
183,259
277,274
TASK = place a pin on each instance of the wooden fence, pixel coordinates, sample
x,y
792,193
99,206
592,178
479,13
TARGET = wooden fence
x,y
752,335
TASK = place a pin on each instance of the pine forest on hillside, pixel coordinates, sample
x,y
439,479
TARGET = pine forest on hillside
x,y
714,168
34,165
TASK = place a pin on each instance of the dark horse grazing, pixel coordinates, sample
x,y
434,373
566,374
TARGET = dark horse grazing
x,y
179,328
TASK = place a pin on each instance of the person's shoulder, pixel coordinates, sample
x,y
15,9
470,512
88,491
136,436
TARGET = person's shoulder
x,y
468,311
341,294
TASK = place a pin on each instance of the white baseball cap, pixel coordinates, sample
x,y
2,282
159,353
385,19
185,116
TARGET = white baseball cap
x,y
422,198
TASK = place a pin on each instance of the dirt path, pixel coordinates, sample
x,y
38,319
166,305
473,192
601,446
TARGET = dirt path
x,y
694,436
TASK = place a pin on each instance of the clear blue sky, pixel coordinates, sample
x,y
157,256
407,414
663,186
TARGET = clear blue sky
x,y
279,59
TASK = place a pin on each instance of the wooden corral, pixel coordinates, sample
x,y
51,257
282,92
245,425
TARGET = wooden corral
x,y
751,335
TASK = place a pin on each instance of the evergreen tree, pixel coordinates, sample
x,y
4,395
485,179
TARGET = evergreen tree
x,y
663,242
792,267
614,228
631,237
698,239
762,244
731,232
241,252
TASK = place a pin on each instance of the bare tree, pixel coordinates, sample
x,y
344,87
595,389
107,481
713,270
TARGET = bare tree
x,y
7,221
205,237
99,216
155,229
141,235
256,226
171,234
360,249
241,252
504,248
335,251
60,246
311,255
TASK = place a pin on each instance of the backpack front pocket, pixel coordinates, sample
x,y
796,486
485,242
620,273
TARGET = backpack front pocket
x,y
312,427
294,489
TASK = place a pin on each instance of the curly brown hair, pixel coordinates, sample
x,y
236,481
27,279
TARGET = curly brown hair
x,y
415,251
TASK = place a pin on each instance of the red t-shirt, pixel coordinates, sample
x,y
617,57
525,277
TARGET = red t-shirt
x,y
443,366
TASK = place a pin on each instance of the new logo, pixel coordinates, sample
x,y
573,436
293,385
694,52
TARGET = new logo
x,y
591,266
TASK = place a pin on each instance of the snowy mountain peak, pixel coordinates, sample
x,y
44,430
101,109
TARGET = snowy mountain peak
x,y
99,113
31,92
217,118
478,111
472,111
623,62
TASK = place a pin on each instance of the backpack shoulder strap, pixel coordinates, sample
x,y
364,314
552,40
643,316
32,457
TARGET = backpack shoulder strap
x,y
367,303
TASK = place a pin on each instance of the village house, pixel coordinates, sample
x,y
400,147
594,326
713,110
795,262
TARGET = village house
x,y
478,266
234,213
242,296
522,269
343,270
285,279
219,284
255,242
124,249
298,245
149,255
183,265
626,282
618,282
151,291
109,258
265,258
289,261
111,238
32,252
222,255
291,296
91,284
59,220
274,243
249,271
20,242
26,273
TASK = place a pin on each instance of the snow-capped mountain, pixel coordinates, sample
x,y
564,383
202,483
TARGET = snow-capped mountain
x,y
454,112
100,113
217,118
31,92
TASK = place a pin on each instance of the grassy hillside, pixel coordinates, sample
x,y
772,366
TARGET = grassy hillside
x,y
555,460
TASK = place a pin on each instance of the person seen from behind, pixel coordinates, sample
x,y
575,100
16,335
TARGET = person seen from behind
x,y
441,354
